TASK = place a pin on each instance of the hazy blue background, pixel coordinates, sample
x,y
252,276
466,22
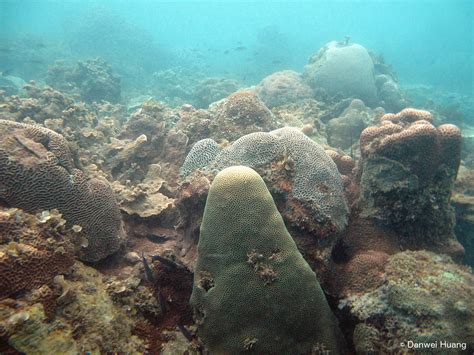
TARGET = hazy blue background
x,y
428,42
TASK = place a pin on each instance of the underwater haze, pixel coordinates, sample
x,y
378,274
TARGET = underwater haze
x,y
428,42
236,177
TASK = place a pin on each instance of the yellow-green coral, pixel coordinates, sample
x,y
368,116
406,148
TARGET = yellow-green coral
x,y
253,291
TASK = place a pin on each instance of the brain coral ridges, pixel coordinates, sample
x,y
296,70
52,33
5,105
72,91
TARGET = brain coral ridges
x,y
38,172
253,291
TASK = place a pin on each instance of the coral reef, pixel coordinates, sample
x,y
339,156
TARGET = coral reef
x,y
92,80
302,177
408,169
345,70
33,249
344,131
242,113
463,203
86,320
423,297
213,89
254,271
282,88
389,93
39,171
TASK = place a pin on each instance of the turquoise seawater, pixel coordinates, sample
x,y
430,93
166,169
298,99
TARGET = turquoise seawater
x,y
427,42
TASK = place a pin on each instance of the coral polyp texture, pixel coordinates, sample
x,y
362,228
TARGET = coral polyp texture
x,y
253,291
283,87
303,178
39,171
423,297
408,168
33,249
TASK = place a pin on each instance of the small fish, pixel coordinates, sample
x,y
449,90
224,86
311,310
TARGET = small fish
x,y
157,238
187,334
162,300
277,61
7,72
148,272
226,51
240,48
169,264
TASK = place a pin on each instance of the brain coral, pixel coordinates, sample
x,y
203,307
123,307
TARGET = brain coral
x,y
253,291
283,87
294,166
38,171
341,69
408,170
424,297
201,154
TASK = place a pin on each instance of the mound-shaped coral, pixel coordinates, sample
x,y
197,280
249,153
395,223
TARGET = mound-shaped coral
x,y
344,131
253,292
33,249
342,69
408,170
424,297
242,113
39,171
303,178
213,89
283,87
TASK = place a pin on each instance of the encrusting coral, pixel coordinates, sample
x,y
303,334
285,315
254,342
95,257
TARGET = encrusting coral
x,y
86,319
39,171
33,249
253,292
423,297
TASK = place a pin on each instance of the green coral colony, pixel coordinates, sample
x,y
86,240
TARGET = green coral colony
x,y
312,213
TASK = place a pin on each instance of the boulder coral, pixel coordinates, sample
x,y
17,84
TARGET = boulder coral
x,y
253,291
407,172
39,171
342,69
344,131
240,113
303,178
283,87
